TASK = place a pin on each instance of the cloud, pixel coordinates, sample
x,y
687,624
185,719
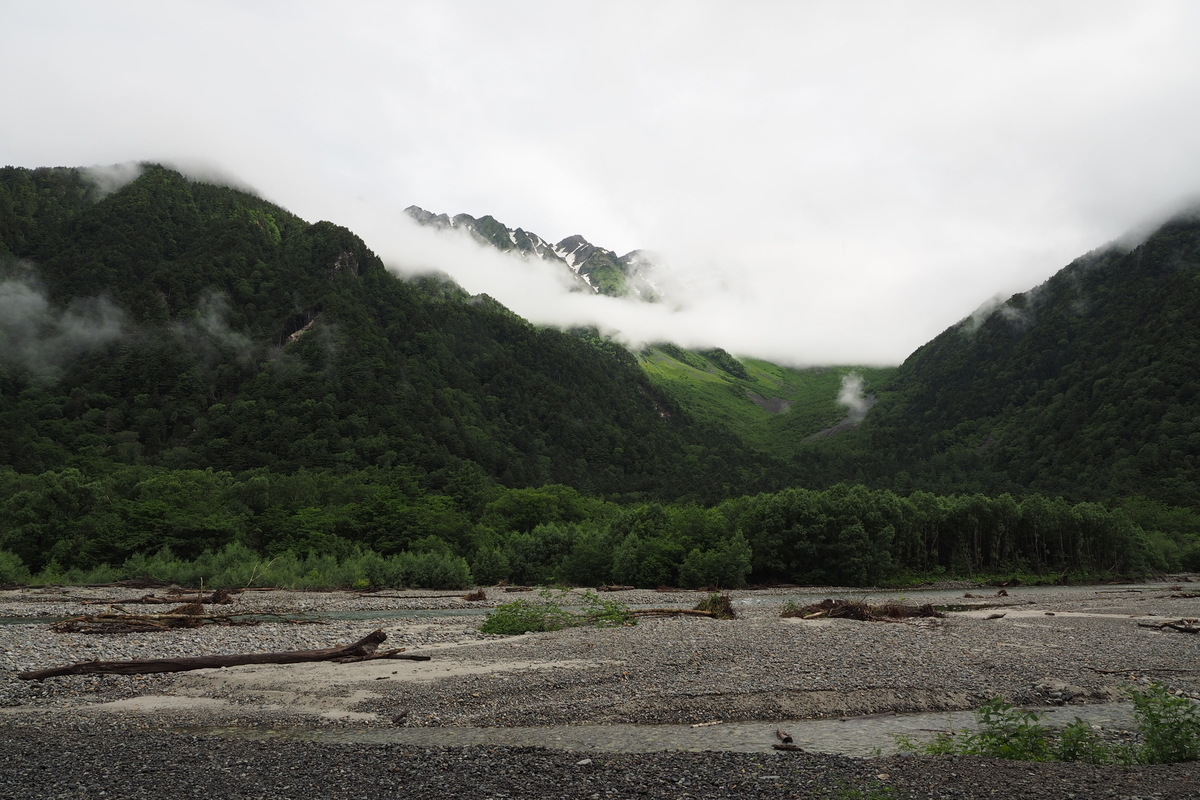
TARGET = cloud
x,y
111,178
832,182
851,396
42,338
207,333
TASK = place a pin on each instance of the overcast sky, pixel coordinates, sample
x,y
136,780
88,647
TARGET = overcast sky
x,y
829,182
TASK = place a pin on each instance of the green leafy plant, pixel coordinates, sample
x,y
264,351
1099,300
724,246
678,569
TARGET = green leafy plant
x,y
524,616
1170,726
547,614
1078,742
720,605
791,609
1008,732
869,791
603,613
1004,732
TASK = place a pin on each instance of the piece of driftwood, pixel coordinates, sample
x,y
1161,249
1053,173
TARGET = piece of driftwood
x,y
361,650
1181,625
188,615
221,597
410,596
864,612
721,606
792,747
783,736
132,583
1138,669
397,653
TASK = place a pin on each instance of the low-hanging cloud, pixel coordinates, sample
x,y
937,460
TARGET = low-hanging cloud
x,y
851,396
207,333
700,308
112,177
41,337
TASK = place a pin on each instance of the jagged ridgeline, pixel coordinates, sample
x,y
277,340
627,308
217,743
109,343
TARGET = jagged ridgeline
x,y
186,325
1087,386
595,268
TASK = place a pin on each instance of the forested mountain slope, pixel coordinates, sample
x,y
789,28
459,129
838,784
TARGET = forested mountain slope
x,y
189,372
1087,386
186,325
772,408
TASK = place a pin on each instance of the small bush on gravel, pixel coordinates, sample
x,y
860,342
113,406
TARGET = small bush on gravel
x,y
1078,742
546,614
1004,732
871,791
523,616
1169,726
719,604
606,613
791,609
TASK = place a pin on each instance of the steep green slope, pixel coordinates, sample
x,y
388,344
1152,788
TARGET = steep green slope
x,y
772,409
193,326
1088,386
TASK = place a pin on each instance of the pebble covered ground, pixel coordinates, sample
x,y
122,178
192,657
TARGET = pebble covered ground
x,y
1066,645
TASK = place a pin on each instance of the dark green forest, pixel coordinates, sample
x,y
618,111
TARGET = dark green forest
x,y
193,379
1087,386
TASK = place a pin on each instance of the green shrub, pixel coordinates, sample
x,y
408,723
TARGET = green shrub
x,y
524,616
1078,742
12,568
720,605
602,613
1170,726
546,614
1008,732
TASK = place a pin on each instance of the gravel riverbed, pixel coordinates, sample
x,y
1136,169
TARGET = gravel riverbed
x,y
180,734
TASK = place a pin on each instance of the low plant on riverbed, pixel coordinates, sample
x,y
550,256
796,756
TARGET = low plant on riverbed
x,y
1169,726
870,791
719,605
547,614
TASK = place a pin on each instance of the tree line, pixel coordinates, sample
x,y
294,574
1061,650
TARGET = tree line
x,y
457,526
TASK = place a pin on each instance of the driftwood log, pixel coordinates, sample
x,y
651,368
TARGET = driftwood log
x,y
1181,625
189,615
362,650
219,597
864,612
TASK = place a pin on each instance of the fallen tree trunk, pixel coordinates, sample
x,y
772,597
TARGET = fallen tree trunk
x,y
1181,625
358,651
219,597
186,616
